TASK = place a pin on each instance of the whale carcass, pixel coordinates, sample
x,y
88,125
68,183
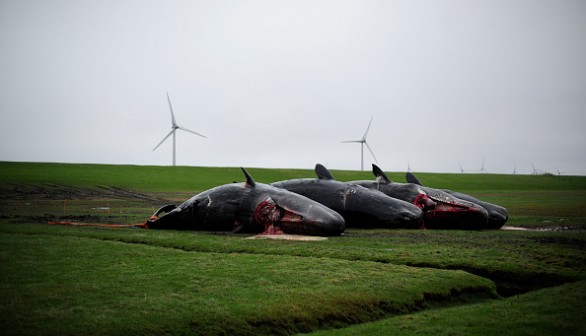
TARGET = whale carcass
x,y
441,210
497,215
361,207
249,207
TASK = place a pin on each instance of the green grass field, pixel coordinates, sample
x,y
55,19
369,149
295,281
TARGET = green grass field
x,y
74,280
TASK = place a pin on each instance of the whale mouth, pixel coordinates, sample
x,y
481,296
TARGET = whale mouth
x,y
153,221
291,217
455,216
443,211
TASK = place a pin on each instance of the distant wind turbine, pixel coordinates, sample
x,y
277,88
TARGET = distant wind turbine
x,y
362,143
482,170
174,127
537,171
461,169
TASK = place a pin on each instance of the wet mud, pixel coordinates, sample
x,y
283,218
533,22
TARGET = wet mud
x,y
45,191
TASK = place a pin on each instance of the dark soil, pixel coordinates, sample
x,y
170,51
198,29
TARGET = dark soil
x,y
23,192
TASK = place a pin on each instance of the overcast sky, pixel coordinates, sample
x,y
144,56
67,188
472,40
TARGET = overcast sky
x,y
280,84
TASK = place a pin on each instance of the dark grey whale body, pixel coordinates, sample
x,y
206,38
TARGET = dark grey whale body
x,y
360,207
497,215
250,207
441,210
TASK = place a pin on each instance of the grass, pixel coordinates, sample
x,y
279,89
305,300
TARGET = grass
x,y
514,260
68,285
192,179
536,313
533,201
79,280
139,178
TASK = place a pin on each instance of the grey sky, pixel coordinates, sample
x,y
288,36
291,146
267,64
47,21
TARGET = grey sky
x,y
282,83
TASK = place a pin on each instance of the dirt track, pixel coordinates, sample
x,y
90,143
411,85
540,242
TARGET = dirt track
x,y
61,192
40,203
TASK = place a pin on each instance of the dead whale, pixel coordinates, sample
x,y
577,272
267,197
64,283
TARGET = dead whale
x,y
250,207
441,210
497,215
360,207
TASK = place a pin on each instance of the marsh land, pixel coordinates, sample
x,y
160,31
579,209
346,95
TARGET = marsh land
x,y
79,280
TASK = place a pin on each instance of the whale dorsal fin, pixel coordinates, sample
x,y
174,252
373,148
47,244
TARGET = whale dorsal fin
x,y
411,178
249,180
380,174
323,173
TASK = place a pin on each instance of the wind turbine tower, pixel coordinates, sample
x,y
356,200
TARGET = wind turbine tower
x,y
482,170
175,127
363,142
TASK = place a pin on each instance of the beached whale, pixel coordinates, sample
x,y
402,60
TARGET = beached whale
x,y
441,210
497,215
360,207
250,207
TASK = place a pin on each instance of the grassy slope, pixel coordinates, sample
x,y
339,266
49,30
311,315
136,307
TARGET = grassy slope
x,y
69,279
79,298
537,313
191,179
529,259
69,285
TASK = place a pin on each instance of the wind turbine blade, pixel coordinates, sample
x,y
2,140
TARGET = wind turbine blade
x,y
165,138
367,129
190,131
171,108
367,146
349,141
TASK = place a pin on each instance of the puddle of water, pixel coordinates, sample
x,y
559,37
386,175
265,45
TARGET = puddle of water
x,y
287,237
541,229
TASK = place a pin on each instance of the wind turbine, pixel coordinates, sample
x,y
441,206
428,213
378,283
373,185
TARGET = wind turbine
x,y
174,127
482,170
461,169
362,143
